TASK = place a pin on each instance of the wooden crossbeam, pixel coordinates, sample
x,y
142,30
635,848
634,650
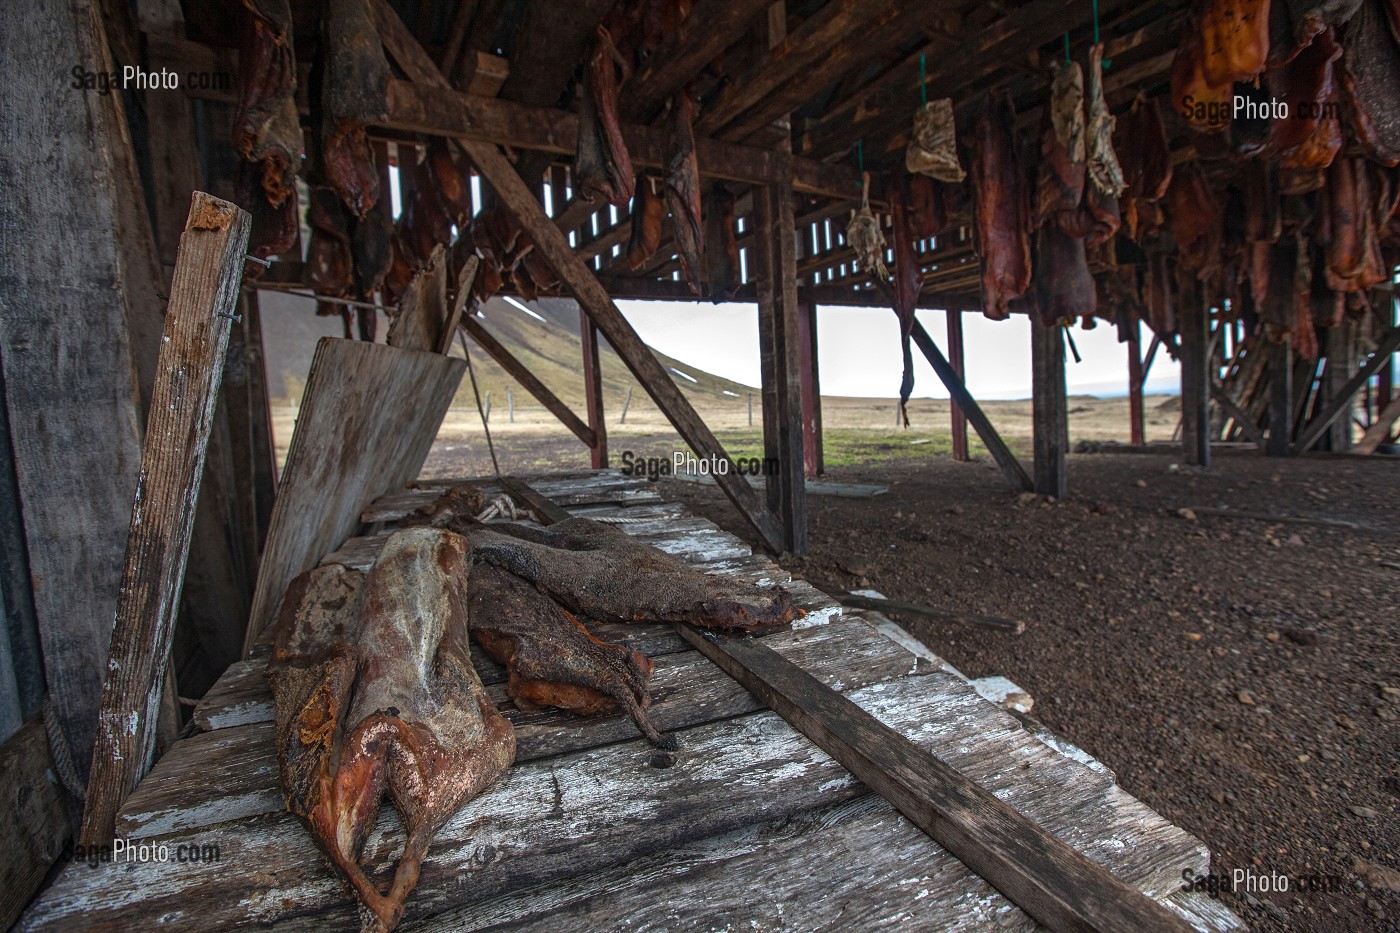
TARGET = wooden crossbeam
x,y
203,294
553,245
521,374
1388,344
1246,423
710,28
1002,454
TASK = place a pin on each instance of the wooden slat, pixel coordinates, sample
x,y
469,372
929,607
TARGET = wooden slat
x,y
710,28
1049,407
233,771
421,322
34,817
593,391
521,374
460,295
1380,429
1193,326
1388,344
367,420
1045,877
203,294
1002,454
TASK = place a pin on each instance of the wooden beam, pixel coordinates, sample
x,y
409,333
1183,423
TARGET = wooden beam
x,y
521,374
1280,399
710,28
1136,376
1387,345
1045,877
1002,454
1380,430
553,245
34,816
955,361
1233,411
812,460
1050,410
1193,326
593,390
1341,353
553,38
203,294
461,294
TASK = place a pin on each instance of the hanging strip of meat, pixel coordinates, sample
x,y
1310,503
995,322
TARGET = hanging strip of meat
x,y
1202,104
1293,24
1370,74
453,180
683,191
908,281
1161,315
598,572
1235,40
355,92
927,205
1064,289
274,229
866,238
266,127
1003,212
370,246
1263,223
933,150
648,212
421,727
721,247
1354,261
1104,170
602,164
330,263
1140,139
1304,327
551,659
426,223
1196,221
1060,177
1308,141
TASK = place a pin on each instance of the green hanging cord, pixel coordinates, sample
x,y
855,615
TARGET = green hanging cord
x,y
1066,49
1105,62
860,164
923,79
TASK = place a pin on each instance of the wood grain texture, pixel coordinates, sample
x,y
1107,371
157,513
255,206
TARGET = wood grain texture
x,y
528,381
66,301
421,323
1050,408
203,294
34,817
1044,876
1341,397
367,421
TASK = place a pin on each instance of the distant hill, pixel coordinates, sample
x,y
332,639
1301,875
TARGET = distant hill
x,y
548,345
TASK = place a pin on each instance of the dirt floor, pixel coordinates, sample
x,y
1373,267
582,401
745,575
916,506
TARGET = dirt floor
x,y
1240,676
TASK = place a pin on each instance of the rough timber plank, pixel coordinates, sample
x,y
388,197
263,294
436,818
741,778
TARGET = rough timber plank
x,y
394,506
575,816
235,769
191,366
366,423
34,817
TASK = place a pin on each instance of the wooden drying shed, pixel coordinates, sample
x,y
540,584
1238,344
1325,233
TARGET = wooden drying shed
x,y
795,101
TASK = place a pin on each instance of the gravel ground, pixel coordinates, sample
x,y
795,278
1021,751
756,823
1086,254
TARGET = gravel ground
x,y
1240,676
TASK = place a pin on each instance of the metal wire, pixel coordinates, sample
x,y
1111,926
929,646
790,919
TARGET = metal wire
x,y
479,410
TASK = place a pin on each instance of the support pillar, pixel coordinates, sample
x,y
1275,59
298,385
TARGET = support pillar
x,y
812,459
1193,328
593,390
1136,377
1280,399
955,359
1050,407
1341,365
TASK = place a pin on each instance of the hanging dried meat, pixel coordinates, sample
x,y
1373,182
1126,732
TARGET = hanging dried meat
x,y
864,235
648,211
1304,327
426,224
1196,221
266,126
1003,212
598,572
420,726
721,247
908,280
1234,39
452,178
683,191
1204,105
602,164
372,251
1064,289
1294,23
933,151
1063,153
1370,76
1263,223
1309,139
1354,261
552,660
330,263
274,229
927,205
355,93
1104,171
1140,138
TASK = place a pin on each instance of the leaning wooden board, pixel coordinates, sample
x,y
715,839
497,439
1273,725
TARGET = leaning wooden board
x,y
589,828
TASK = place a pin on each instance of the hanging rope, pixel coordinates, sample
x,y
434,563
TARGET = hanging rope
x,y
923,79
1066,49
1106,62
479,410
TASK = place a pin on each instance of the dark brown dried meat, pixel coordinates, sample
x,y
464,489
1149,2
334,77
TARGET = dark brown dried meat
x,y
330,264
1370,76
721,247
1196,221
1060,177
266,127
602,164
1311,137
648,212
683,191
355,93
927,205
1064,289
1003,212
453,180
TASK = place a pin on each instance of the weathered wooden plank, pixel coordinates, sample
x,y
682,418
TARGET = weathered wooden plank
x,y
76,309
710,28
521,374
1040,873
607,488
593,391
1050,409
421,323
957,389
203,293
1193,326
1341,397
367,420
34,817
231,773
1281,397
1380,429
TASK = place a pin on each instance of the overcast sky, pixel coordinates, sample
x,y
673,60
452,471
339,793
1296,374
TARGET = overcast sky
x,y
859,355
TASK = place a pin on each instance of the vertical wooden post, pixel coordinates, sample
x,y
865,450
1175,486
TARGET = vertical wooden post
x,y
955,359
811,390
1135,380
778,314
593,390
1193,327
203,295
1050,409
1341,364
1280,399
